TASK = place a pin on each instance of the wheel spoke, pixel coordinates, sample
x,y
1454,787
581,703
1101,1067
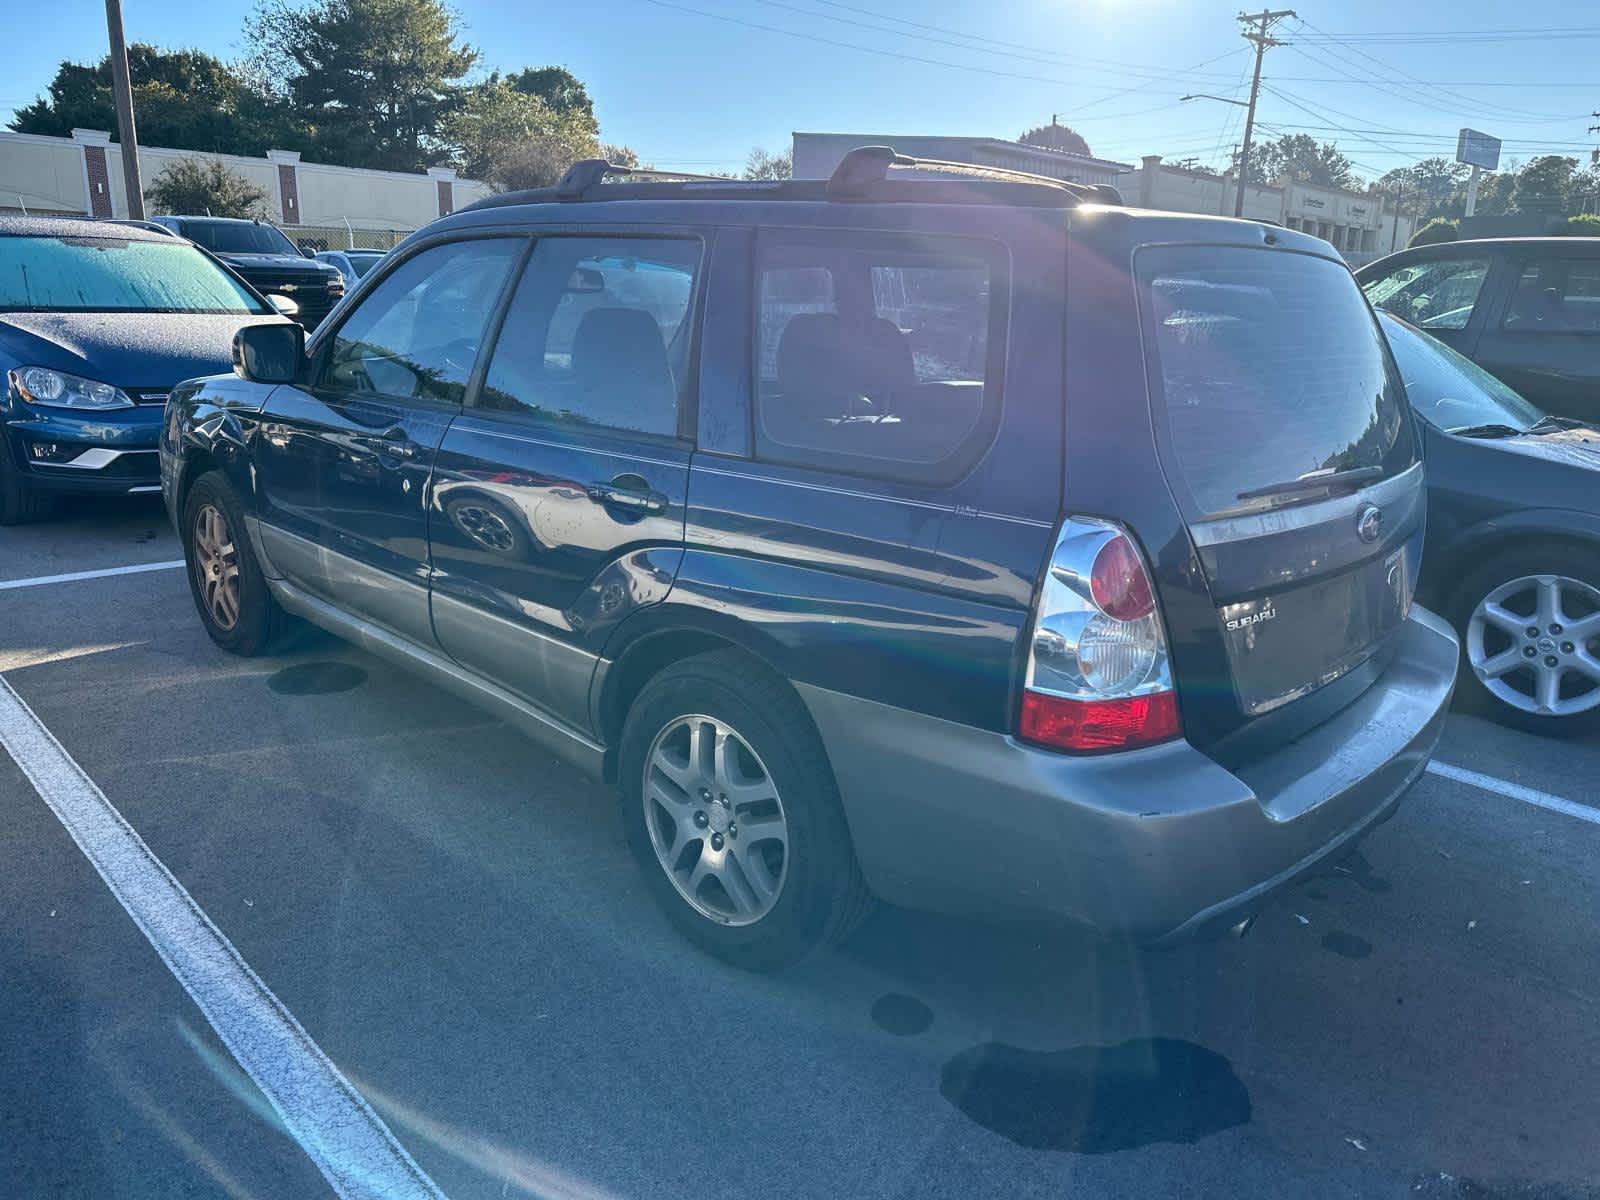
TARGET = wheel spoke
x,y
1549,688
1587,665
1502,618
750,864
1500,664
1584,629
1549,608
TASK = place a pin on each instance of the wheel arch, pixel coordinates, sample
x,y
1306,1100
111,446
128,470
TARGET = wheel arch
x,y
1460,557
653,640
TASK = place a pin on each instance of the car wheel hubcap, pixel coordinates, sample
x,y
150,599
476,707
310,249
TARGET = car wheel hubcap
x,y
716,821
216,566
1534,643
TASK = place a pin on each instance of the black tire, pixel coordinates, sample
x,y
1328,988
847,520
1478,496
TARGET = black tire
x,y
19,503
823,896
259,619
1576,562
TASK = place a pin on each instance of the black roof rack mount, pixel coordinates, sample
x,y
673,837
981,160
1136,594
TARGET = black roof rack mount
x,y
591,172
865,166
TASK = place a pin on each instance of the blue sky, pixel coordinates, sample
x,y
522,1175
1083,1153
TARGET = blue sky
x,y
695,84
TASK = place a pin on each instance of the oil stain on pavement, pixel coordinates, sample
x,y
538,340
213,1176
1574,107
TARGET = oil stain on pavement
x,y
316,679
1097,1099
1346,945
901,1015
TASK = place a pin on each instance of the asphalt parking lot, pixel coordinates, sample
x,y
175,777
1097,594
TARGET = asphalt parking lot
x,y
453,919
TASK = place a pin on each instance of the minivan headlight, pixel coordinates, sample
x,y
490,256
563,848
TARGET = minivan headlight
x,y
57,389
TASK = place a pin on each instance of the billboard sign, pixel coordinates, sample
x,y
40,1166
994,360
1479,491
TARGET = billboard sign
x,y
1478,149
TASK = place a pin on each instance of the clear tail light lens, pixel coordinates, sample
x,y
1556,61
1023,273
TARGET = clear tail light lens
x,y
1098,674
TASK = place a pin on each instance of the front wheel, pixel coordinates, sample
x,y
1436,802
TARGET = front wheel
x,y
1529,623
229,590
731,809
18,502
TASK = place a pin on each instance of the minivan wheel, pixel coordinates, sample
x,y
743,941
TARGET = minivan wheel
x,y
731,809
1529,623
225,579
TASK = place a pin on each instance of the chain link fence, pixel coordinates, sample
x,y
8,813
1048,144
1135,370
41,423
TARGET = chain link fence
x,y
312,238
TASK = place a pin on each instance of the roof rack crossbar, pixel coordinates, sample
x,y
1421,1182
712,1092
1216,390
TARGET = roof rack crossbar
x,y
591,172
864,166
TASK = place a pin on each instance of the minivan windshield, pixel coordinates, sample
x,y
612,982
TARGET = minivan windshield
x,y
1270,375
103,274
1448,390
238,237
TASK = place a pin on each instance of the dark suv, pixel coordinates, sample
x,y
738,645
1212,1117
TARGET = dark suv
x,y
963,542
268,261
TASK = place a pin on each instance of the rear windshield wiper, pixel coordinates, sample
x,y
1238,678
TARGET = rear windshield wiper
x,y
1315,481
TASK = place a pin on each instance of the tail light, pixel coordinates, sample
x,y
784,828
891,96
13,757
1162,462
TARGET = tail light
x,y
1098,674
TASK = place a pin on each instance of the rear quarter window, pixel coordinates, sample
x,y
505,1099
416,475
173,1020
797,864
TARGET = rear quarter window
x,y
1266,366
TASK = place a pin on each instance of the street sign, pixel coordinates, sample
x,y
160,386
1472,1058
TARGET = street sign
x,y
1478,149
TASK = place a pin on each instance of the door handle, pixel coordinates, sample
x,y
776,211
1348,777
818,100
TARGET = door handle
x,y
395,442
627,493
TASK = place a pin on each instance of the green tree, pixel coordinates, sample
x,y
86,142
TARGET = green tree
x,y
556,86
1056,137
374,79
193,185
1436,187
762,165
621,156
1542,185
1300,158
513,140
1437,230
185,99
1584,225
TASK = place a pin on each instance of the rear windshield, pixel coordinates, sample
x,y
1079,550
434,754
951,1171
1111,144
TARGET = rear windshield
x,y
1269,368
238,237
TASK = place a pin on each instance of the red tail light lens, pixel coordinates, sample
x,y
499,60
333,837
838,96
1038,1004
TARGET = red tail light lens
x,y
1090,725
1118,582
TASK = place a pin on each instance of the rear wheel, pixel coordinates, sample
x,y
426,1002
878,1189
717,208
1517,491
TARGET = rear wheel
x,y
731,810
1529,622
229,590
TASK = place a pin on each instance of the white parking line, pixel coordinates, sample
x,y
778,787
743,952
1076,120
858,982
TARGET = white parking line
x,y
332,1121
74,576
1516,792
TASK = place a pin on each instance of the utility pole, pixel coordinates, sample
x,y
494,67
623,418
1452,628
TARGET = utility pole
x,y
1258,31
122,92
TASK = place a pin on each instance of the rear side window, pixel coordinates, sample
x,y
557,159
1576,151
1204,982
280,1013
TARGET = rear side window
x,y
1556,295
598,333
875,353
1267,367
1431,295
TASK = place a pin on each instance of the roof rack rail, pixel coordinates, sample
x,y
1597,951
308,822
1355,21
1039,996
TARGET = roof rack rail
x,y
591,172
865,166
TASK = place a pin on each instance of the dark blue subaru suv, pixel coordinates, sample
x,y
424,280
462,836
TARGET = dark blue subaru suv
x,y
968,542
97,323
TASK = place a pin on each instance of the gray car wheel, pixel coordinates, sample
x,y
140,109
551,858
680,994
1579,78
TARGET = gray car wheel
x,y
1530,638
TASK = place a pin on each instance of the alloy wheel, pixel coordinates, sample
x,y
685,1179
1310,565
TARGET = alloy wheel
x,y
216,566
1534,643
716,821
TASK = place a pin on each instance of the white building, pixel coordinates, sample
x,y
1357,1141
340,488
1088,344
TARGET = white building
x,y
315,202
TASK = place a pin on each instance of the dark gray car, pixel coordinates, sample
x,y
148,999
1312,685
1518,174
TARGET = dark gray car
x,y
1525,309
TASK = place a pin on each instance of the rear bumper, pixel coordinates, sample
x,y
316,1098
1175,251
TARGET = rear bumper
x,y
1155,845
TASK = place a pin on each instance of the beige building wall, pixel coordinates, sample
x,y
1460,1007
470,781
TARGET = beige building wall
x,y
49,175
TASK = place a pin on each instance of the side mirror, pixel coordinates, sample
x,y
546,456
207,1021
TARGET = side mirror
x,y
283,304
269,353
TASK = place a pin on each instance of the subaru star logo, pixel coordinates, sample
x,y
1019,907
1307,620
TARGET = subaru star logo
x,y
1369,522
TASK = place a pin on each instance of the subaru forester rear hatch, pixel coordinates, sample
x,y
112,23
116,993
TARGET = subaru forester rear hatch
x,y
1283,432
